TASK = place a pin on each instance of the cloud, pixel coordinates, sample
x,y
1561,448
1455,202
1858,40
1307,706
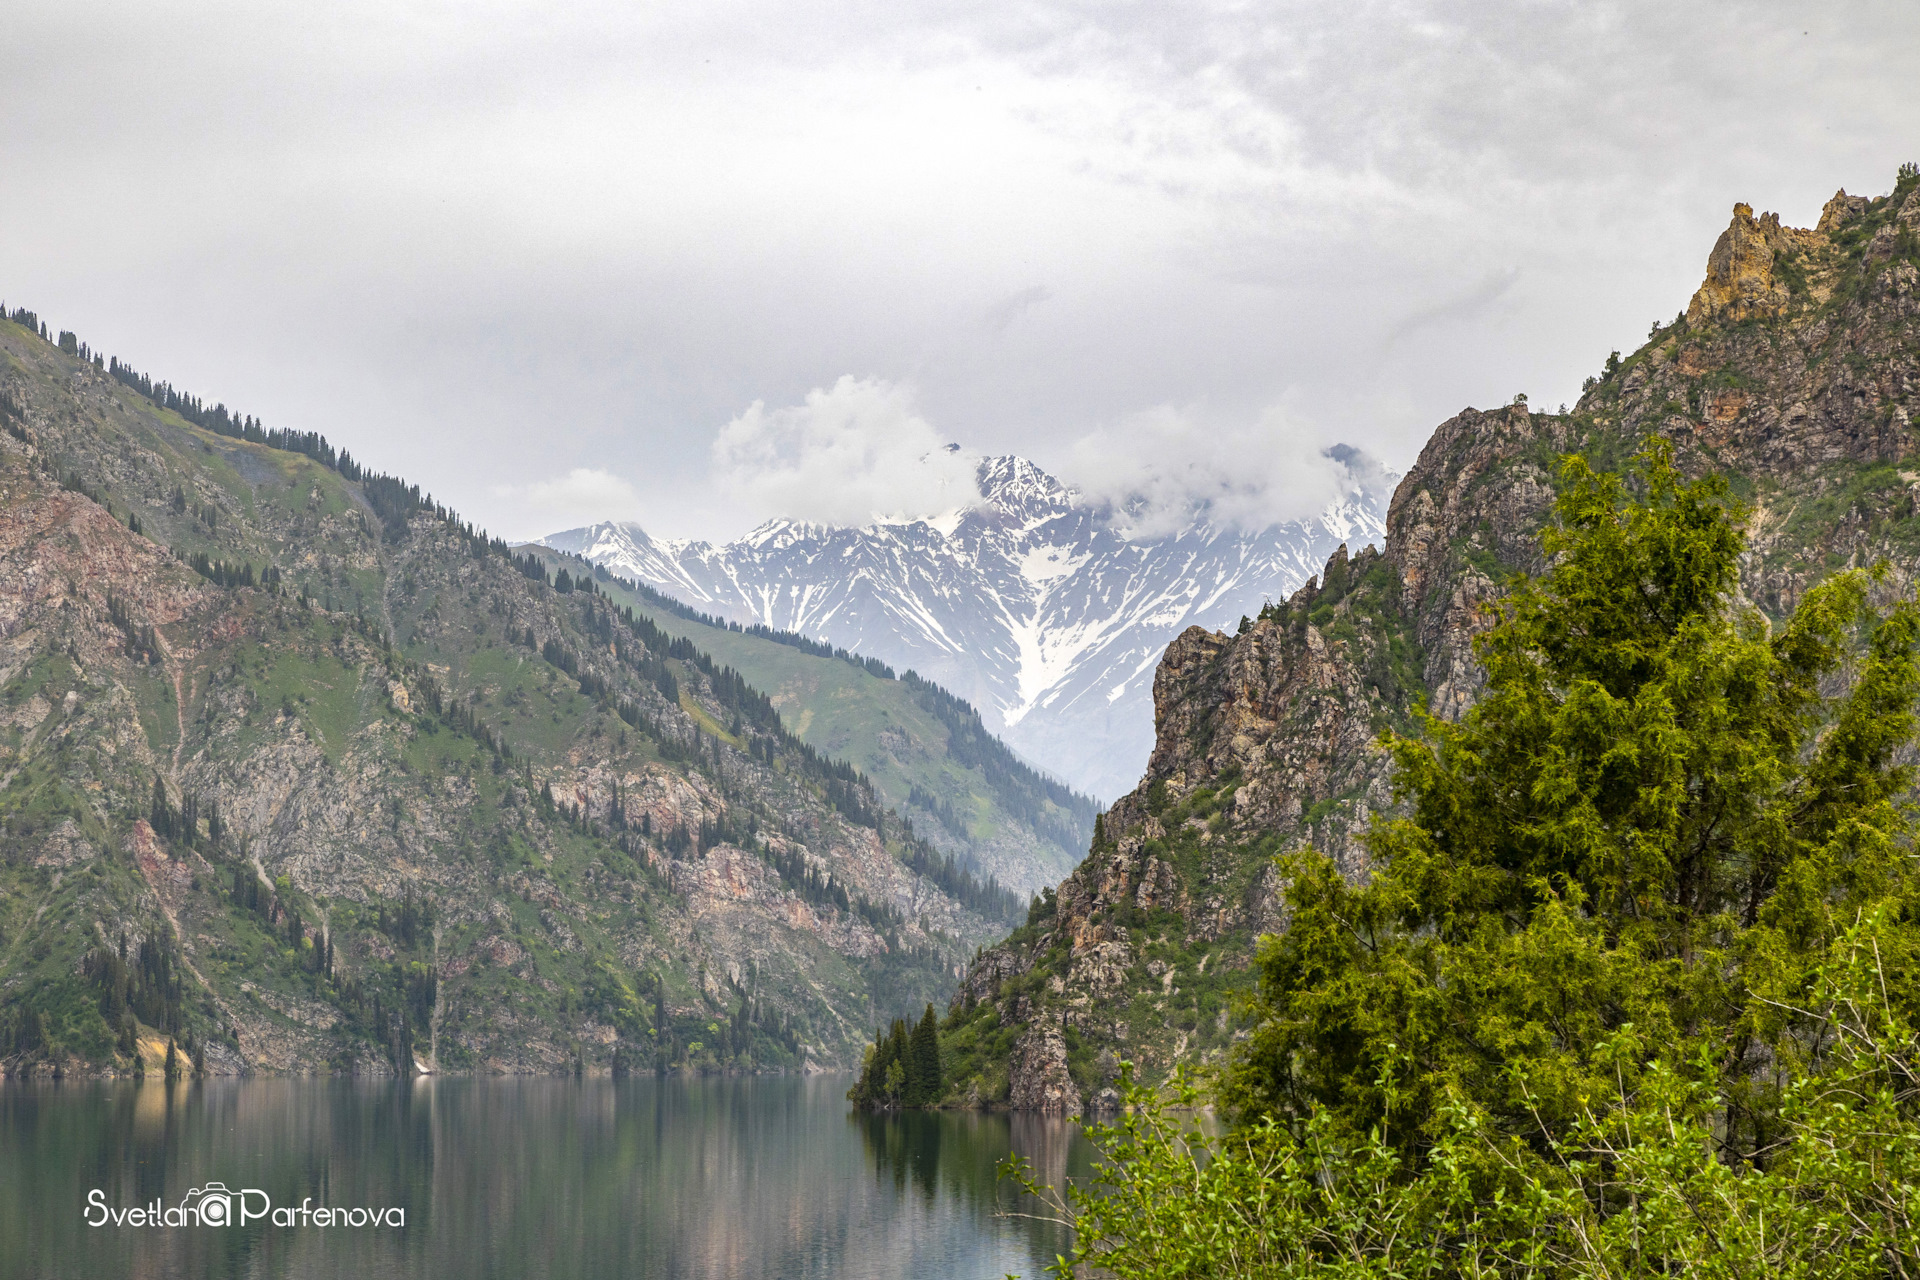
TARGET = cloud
x,y
848,454
1002,314
581,496
1161,470
420,226
862,450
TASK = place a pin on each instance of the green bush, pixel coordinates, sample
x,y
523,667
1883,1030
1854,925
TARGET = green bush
x,y
1636,1186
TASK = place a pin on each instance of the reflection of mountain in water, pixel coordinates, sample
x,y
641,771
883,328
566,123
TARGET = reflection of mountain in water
x,y
956,1156
758,1178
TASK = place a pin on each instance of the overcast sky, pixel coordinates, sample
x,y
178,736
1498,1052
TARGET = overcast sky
x,y
703,263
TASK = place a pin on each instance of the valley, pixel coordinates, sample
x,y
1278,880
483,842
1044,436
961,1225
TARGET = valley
x,y
301,772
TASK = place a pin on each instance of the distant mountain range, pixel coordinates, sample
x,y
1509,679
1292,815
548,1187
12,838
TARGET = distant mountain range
x,y
1032,603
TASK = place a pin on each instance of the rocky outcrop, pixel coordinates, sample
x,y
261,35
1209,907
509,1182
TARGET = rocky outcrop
x,y
1796,370
1740,283
1041,1081
1841,210
1470,502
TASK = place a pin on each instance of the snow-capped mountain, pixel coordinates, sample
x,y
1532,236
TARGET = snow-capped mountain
x,y
1030,603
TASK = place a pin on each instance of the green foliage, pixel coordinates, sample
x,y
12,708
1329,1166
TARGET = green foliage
x,y
902,1067
1604,838
975,1052
1632,987
148,984
1635,1186
923,1069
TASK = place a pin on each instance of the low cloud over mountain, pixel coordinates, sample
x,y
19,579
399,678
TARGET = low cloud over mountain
x,y
847,454
862,450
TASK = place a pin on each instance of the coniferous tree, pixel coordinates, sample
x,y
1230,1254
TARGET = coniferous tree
x,y
902,1066
160,815
925,1071
1630,988
894,1083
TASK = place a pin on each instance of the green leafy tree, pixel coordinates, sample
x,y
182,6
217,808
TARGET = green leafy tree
x,y
1634,1188
1652,818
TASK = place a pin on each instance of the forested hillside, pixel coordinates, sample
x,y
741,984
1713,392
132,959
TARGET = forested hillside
x,y
298,771
926,751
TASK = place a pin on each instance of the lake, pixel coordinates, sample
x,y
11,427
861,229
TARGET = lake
x,y
770,1177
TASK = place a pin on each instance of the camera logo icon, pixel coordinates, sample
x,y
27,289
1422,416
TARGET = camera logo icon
x,y
212,1205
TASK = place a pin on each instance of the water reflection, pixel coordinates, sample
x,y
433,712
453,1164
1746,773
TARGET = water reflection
x,y
769,1178
955,1157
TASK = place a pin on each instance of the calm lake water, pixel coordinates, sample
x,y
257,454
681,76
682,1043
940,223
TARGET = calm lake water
x,y
756,1178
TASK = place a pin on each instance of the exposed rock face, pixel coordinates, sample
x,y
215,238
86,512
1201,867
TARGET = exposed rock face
x,y
1740,284
1041,1081
1841,210
1268,740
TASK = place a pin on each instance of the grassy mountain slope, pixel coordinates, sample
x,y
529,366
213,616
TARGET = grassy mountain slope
x,y
926,752
300,773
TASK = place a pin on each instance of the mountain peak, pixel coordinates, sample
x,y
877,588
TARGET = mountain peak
x,y
1018,487
779,533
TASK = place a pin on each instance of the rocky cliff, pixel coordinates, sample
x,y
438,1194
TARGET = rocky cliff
x,y
298,772
1795,370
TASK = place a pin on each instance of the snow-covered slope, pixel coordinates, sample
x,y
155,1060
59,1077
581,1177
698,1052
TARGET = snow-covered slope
x,y
1029,604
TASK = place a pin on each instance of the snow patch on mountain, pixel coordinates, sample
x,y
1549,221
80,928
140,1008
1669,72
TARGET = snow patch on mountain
x,y
1031,603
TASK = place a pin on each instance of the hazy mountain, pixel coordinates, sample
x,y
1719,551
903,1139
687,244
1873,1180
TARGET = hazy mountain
x,y
1033,604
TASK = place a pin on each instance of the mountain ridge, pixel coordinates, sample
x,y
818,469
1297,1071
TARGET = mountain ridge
x,y
926,751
